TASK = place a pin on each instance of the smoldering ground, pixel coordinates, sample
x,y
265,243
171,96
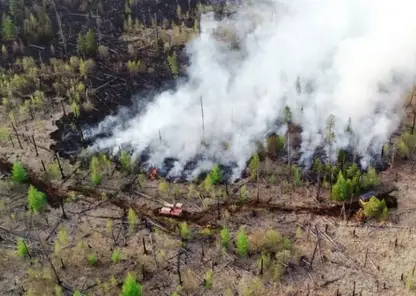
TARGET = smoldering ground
x,y
352,60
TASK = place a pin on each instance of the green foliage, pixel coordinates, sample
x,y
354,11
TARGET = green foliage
x,y
38,100
406,144
208,279
92,259
244,194
86,67
375,208
8,28
16,9
216,174
271,241
242,243
53,170
77,293
254,166
163,186
225,238
206,232
126,162
297,178
4,51
109,226
63,236
208,183
103,51
36,199
134,66
90,42
132,218
19,173
353,171
75,109
22,250
115,257
340,188
184,231
131,287
173,65
58,291
95,168
142,180
370,179
410,280
274,145
38,26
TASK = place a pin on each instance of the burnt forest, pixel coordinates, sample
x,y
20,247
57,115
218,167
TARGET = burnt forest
x,y
122,172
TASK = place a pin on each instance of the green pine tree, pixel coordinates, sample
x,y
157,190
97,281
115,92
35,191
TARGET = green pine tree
x,y
215,174
16,9
19,173
8,29
95,170
225,238
242,243
90,42
115,257
340,188
81,43
22,250
125,160
254,166
131,287
297,176
173,65
36,199
370,179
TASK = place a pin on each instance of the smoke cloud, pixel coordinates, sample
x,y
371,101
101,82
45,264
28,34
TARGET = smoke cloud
x,y
353,60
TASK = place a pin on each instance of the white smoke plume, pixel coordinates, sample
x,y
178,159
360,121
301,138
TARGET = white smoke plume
x,y
354,59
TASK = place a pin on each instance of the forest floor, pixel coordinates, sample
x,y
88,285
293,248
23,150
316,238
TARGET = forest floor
x,y
350,257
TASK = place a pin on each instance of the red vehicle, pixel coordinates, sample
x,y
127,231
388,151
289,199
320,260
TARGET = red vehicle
x,y
171,210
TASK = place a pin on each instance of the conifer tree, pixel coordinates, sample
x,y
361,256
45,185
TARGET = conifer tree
x,y
173,65
340,188
8,29
215,174
19,173
242,243
131,287
225,237
254,166
36,199
90,42
16,9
